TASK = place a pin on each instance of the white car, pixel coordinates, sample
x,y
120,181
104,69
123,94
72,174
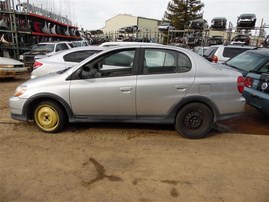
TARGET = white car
x,y
125,43
9,68
42,50
63,59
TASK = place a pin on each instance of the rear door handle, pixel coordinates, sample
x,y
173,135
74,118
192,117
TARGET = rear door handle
x,y
126,89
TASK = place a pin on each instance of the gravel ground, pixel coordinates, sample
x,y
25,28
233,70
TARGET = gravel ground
x,y
132,162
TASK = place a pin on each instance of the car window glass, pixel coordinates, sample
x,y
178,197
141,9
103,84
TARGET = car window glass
x,y
165,61
44,47
119,63
79,55
60,47
247,61
210,52
265,68
231,52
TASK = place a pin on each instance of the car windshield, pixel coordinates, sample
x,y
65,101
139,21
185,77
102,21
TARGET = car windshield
x,y
44,47
247,61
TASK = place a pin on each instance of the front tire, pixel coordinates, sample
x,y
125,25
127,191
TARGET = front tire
x,y
194,120
49,117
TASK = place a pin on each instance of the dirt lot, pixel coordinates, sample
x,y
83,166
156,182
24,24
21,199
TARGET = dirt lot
x,y
117,162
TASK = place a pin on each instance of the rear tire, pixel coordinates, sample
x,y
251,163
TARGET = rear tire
x,y
194,120
49,117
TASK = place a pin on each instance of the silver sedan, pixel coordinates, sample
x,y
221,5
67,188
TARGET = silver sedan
x,y
136,83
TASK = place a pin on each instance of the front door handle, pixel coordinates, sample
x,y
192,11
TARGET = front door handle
x,y
180,88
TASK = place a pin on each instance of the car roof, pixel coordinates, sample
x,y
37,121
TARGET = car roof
x,y
219,18
54,42
121,43
234,45
247,15
76,49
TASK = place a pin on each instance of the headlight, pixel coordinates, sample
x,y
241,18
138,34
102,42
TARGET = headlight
x,y
20,90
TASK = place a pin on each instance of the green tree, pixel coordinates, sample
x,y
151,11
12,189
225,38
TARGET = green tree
x,y
180,12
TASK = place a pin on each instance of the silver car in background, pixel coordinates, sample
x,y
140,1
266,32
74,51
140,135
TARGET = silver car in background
x,y
136,83
62,60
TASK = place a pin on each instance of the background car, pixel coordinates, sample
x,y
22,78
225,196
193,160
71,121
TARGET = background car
x,y
218,22
135,83
80,43
129,29
9,68
215,40
198,24
246,20
200,50
256,60
256,90
44,49
166,26
63,60
222,53
242,39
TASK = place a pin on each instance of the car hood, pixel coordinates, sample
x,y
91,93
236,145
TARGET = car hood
x,y
46,79
41,52
9,61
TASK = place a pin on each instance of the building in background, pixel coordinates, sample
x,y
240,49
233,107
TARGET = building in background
x,y
125,25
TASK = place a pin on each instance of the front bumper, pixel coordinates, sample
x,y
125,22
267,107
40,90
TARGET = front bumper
x,y
16,107
12,72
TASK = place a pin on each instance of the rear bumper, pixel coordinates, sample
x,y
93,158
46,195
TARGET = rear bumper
x,y
257,99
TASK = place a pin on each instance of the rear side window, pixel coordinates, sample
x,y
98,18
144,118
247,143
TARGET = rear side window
x,y
61,46
165,62
79,55
209,53
231,52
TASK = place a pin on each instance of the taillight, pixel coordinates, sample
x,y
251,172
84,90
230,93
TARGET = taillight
x,y
37,64
215,59
248,82
240,84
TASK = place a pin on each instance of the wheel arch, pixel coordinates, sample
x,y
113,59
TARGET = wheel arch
x,y
34,100
192,99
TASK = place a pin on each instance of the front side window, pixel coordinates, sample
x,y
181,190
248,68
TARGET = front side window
x,y
165,62
118,63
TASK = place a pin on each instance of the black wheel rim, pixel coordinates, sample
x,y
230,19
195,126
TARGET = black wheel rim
x,y
193,120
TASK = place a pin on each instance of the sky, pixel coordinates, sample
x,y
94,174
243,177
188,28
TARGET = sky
x,y
92,14
97,12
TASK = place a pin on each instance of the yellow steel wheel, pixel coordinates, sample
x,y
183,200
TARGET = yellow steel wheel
x,y
48,116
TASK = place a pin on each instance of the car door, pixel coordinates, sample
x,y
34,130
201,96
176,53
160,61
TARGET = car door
x,y
110,93
167,76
